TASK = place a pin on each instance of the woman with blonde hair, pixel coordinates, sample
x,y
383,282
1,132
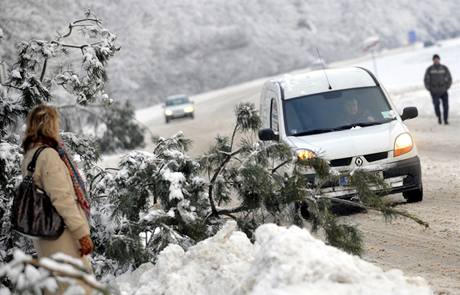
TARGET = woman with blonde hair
x,y
56,174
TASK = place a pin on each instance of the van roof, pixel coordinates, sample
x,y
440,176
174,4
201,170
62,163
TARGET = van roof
x,y
295,85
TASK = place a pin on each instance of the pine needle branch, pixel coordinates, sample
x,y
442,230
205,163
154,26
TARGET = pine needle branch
x,y
214,178
386,210
392,211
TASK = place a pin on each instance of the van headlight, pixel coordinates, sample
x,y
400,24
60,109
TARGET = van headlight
x,y
403,144
168,112
189,109
305,154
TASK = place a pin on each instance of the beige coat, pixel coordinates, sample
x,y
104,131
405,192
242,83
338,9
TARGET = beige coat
x,y
52,175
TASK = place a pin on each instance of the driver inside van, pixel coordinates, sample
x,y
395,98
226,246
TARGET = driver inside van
x,y
354,112
299,118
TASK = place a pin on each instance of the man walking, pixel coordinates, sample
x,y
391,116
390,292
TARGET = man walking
x,y
437,81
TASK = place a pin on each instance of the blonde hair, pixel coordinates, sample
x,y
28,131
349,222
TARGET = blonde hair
x,y
42,127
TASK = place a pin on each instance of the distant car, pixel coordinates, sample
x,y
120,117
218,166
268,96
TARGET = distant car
x,y
178,106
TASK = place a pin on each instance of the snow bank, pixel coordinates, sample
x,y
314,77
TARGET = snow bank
x,y
281,261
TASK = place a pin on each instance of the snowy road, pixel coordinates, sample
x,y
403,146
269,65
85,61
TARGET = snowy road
x,y
432,253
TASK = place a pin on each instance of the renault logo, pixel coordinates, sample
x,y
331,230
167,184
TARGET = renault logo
x,y
359,161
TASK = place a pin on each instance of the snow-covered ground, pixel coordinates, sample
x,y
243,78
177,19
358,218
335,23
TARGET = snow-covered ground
x,y
281,261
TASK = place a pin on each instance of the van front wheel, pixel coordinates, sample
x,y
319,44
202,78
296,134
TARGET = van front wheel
x,y
414,196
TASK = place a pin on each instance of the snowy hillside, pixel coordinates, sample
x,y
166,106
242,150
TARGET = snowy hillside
x,y
194,46
281,261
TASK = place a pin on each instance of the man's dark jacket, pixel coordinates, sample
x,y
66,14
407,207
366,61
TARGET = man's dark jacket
x,y
437,79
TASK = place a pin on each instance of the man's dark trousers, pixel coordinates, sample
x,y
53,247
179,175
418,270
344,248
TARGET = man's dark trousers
x,y
437,99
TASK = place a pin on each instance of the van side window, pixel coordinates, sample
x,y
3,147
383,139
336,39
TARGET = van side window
x,y
274,123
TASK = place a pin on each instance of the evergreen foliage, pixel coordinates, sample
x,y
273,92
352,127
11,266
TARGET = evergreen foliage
x,y
121,131
10,164
151,200
10,110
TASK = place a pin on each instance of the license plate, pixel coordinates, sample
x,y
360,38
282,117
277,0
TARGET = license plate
x,y
344,180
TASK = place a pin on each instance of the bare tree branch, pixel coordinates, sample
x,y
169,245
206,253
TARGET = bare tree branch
x,y
11,86
233,210
83,276
42,75
233,136
281,165
74,24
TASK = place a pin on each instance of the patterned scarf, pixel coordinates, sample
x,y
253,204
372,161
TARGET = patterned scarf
x,y
77,180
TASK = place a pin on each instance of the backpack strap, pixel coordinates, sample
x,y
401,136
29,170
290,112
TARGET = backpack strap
x,y
33,162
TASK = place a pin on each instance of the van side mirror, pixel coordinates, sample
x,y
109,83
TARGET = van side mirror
x,y
268,134
409,113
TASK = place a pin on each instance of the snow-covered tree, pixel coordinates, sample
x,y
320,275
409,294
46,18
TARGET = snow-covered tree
x,y
151,200
121,131
75,62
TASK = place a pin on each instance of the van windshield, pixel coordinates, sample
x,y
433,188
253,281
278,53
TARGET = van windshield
x,y
336,110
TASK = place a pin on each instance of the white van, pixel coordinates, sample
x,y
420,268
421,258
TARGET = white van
x,y
345,117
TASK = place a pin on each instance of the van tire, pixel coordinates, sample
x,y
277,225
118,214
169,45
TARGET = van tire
x,y
414,196
167,120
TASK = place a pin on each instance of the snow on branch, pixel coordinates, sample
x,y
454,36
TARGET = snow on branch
x,y
35,275
84,80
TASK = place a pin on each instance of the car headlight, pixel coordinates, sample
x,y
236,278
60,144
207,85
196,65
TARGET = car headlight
x,y
168,112
189,109
403,144
305,154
